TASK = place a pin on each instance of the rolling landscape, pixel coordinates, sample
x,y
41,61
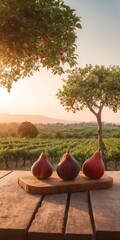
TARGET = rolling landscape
x,y
18,118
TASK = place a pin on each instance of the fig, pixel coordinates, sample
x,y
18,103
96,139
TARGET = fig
x,y
42,168
62,58
45,39
68,167
94,167
61,52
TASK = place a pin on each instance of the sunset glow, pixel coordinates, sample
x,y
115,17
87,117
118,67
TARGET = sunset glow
x,y
97,43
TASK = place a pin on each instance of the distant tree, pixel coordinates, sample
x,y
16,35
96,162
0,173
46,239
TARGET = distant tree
x,y
35,34
27,129
93,88
59,134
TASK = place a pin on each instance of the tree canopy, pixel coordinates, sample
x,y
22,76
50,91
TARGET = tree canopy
x,y
27,129
35,34
93,88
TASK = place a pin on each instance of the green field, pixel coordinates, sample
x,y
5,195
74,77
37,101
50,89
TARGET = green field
x,y
20,153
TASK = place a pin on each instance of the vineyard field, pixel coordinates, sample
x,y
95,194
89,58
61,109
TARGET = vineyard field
x,y
20,153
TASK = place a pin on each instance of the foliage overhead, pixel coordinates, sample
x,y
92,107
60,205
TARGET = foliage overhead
x,y
91,87
35,34
27,129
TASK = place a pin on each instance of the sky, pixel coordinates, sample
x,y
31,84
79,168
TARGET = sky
x,y
98,43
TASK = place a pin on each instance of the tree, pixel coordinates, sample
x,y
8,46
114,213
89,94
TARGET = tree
x,y
94,88
35,34
27,129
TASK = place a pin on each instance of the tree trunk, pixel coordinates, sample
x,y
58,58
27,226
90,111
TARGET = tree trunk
x,y
24,162
100,139
100,133
6,163
16,163
101,144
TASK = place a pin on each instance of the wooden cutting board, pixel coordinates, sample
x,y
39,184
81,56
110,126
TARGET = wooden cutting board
x,y
54,184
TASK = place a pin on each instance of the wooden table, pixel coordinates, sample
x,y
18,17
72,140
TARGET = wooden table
x,y
85,215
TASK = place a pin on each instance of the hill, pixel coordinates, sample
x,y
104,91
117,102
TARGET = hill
x,y
18,118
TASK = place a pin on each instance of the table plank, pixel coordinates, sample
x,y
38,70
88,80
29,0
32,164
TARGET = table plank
x,y
79,223
106,210
16,207
59,216
3,173
50,219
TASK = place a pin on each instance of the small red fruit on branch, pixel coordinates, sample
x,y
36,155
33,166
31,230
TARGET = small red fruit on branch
x,y
62,58
45,39
61,52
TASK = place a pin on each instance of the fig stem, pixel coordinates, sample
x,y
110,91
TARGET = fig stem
x,y
68,151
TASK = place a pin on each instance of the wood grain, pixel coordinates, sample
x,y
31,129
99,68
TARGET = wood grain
x,y
3,173
49,220
16,207
63,216
79,222
106,210
54,184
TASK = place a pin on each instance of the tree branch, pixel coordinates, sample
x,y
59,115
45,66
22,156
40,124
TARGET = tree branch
x,y
92,110
96,105
101,107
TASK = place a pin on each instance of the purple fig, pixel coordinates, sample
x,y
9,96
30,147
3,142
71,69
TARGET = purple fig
x,y
68,168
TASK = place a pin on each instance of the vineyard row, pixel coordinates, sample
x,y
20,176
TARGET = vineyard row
x,y
17,149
